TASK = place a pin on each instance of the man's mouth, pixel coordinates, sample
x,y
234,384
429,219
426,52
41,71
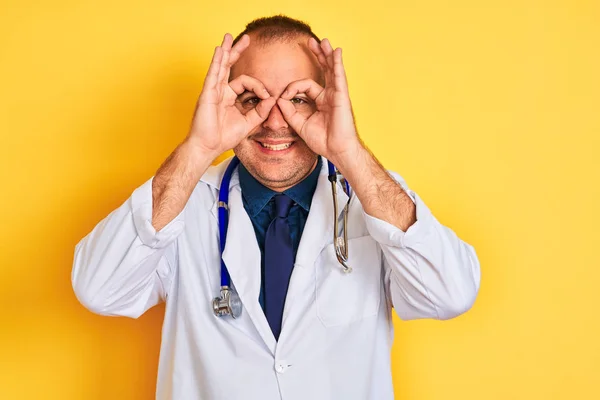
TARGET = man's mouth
x,y
276,147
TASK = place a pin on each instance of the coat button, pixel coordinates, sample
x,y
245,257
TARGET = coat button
x,y
280,368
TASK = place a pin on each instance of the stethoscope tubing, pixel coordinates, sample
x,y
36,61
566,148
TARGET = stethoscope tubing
x,y
223,206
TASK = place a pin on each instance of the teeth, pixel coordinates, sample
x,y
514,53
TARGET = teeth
x,y
276,147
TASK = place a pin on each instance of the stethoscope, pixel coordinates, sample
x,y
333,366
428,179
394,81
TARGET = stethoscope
x,y
229,303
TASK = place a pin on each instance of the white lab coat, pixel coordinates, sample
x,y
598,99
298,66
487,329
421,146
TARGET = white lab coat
x,y
337,328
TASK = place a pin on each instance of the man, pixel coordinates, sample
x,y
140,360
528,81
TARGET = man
x,y
308,330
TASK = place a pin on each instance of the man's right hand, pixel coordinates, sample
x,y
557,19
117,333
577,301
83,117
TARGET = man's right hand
x,y
218,125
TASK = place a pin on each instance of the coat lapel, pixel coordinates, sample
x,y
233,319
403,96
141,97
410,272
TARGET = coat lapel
x,y
317,234
318,230
242,258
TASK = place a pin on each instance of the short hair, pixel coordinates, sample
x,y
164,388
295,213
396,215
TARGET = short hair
x,y
277,27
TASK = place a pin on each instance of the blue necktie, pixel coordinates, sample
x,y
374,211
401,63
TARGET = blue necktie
x,y
279,262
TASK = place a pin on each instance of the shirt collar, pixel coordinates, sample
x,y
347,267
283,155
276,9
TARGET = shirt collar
x,y
256,195
302,192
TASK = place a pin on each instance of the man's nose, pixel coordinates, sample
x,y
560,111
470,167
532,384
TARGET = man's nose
x,y
275,120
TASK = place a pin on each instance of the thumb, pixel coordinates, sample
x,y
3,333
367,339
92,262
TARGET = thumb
x,y
293,117
260,112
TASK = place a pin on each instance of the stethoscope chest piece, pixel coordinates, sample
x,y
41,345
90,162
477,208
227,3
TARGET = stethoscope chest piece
x,y
227,304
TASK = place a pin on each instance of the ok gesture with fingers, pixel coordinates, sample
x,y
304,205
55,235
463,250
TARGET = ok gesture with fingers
x,y
218,125
329,131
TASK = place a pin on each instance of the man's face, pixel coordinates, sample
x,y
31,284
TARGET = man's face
x,y
273,153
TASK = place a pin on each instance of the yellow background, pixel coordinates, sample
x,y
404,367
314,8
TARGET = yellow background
x,y
489,109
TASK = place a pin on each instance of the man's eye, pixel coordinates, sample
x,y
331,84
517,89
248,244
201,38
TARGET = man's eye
x,y
298,100
251,101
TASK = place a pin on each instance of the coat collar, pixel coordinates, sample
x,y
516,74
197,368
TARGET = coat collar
x,y
214,174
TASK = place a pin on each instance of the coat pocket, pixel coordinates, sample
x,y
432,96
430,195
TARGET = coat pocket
x,y
343,298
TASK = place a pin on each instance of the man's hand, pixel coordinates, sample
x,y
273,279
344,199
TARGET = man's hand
x,y
330,130
218,125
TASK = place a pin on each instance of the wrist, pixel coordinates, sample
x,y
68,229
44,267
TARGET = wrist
x,y
349,158
199,150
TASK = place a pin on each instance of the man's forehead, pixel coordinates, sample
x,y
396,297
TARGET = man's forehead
x,y
277,62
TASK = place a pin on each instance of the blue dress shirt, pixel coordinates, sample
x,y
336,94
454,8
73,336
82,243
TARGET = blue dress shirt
x,y
260,206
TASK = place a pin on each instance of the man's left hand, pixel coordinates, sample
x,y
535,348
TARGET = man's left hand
x,y
330,130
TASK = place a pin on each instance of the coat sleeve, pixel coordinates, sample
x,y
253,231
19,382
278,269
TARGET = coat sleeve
x,y
429,271
123,266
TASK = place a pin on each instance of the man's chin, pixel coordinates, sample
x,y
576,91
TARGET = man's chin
x,y
277,170
276,178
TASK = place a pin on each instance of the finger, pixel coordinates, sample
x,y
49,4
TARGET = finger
x,y
235,53
308,86
328,51
293,117
223,70
227,41
340,80
213,71
316,50
327,69
313,45
247,83
238,49
259,113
